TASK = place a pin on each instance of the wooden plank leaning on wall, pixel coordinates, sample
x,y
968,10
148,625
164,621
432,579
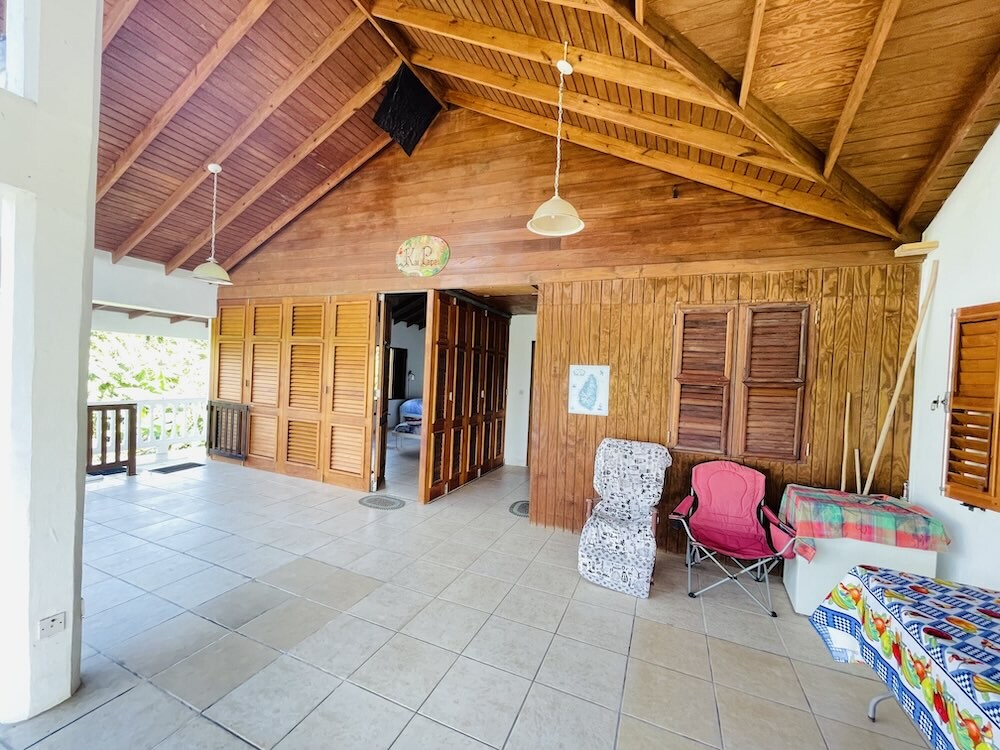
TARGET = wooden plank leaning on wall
x,y
864,313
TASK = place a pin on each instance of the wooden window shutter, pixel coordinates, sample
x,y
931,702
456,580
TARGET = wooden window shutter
x,y
703,353
771,393
971,473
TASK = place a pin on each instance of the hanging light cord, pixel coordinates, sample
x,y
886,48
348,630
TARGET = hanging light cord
x,y
215,198
559,121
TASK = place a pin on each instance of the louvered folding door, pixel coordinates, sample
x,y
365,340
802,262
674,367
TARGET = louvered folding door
x,y
439,414
302,399
262,383
971,467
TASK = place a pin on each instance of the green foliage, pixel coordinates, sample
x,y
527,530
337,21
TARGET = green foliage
x,y
132,366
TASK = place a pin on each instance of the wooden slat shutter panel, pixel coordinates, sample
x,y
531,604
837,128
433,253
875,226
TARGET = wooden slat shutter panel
x,y
771,396
971,473
227,379
703,339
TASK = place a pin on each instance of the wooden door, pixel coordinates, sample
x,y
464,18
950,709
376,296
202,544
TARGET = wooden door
x,y
495,387
227,353
302,387
262,382
439,412
348,401
380,425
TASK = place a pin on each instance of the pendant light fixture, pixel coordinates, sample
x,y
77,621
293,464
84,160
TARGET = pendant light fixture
x,y
557,217
210,270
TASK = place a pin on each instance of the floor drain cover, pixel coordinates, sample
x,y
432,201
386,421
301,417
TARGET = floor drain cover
x,y
520,508
382,502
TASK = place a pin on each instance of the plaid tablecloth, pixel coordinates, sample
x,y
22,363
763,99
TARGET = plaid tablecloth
x,y
831,514
934,643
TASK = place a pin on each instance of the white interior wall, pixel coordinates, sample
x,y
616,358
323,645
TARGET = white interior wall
x,y
968,230
522,333
48,173
413,339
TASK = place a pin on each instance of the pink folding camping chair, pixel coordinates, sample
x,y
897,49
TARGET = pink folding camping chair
x,y
725,515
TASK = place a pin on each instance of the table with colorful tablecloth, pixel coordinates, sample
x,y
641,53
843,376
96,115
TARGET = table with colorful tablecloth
x,y
935,644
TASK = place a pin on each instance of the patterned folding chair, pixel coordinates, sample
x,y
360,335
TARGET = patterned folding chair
x,y
618,542
725,515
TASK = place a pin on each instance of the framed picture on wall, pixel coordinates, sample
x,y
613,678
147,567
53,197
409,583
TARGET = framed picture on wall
x,y
589,389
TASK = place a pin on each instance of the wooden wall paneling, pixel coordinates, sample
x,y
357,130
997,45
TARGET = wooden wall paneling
x,y
903,417
263,383
304,356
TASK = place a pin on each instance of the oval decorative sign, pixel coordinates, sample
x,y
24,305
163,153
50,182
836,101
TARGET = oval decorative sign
x,y
423,255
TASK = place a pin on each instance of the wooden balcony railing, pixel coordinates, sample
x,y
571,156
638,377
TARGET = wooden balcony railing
x,y
227,429
111,437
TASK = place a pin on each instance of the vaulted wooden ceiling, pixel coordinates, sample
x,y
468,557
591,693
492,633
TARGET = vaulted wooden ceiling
x,y
862,112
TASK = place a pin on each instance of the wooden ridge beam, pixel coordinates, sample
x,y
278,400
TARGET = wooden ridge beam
x,y
341,174
286,165
115,19
751,57
545,51
801,202
966,119
676,50
180,96
274,100
754,152
402,47
876,41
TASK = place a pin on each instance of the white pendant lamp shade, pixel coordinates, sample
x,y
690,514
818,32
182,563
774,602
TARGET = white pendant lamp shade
x,y
557,217
210,270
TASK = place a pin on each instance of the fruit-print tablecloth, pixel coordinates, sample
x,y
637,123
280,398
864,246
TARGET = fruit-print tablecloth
x,y
936,644
817,513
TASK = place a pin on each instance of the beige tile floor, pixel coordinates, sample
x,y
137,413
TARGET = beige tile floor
x,y
228,608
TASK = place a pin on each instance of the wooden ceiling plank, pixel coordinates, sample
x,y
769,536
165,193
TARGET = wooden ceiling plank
x,y
544,51
880,33
345,171
286,165
115,19
801,202
679,131
751,57
274,100
676,50
402,47
180,96
977,99
586,5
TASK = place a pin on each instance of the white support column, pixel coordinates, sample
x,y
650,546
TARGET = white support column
x,y
47,187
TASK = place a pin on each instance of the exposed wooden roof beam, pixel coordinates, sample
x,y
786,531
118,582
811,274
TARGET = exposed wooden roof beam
x,y
115,19
976,101
545,51
875,43
401,46
587,5
274,100
640,11
801,202
181,318
180,96
912,249
318,136
754,152
751,58
675,49
133,314
345,171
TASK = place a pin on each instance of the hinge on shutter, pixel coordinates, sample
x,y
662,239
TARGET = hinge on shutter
x,y
808,446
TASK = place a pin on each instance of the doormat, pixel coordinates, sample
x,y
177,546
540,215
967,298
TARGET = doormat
x,y
520,509
382,502
107,472
178,467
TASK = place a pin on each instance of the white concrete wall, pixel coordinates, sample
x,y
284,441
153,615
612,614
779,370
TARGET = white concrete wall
x,y
413,339
48,174
148,325
522,333
144,285
968,230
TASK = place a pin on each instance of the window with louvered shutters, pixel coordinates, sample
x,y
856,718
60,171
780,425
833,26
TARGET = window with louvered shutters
x,y
702,369
972,474
228,384
770,401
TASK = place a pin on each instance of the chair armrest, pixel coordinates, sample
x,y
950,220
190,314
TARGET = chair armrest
x,y
773,519
683,510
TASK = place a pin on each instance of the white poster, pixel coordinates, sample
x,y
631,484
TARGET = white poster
x,y
589,389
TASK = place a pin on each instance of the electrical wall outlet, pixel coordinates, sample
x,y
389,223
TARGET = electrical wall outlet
x,y
50,626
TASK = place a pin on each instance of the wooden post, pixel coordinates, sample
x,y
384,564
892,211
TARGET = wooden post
x,y
857,470
843,458
901,376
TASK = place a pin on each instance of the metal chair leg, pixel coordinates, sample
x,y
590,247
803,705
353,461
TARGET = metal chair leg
x,y
873,706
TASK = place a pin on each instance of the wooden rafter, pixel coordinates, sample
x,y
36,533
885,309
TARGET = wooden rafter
x,y
180,96
587,5
286,165
751,57
640,10
133,314
875,43
401,46
115,19
976,101
274,100
345,171
754,152
610,68
805,203
181,318
676,50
